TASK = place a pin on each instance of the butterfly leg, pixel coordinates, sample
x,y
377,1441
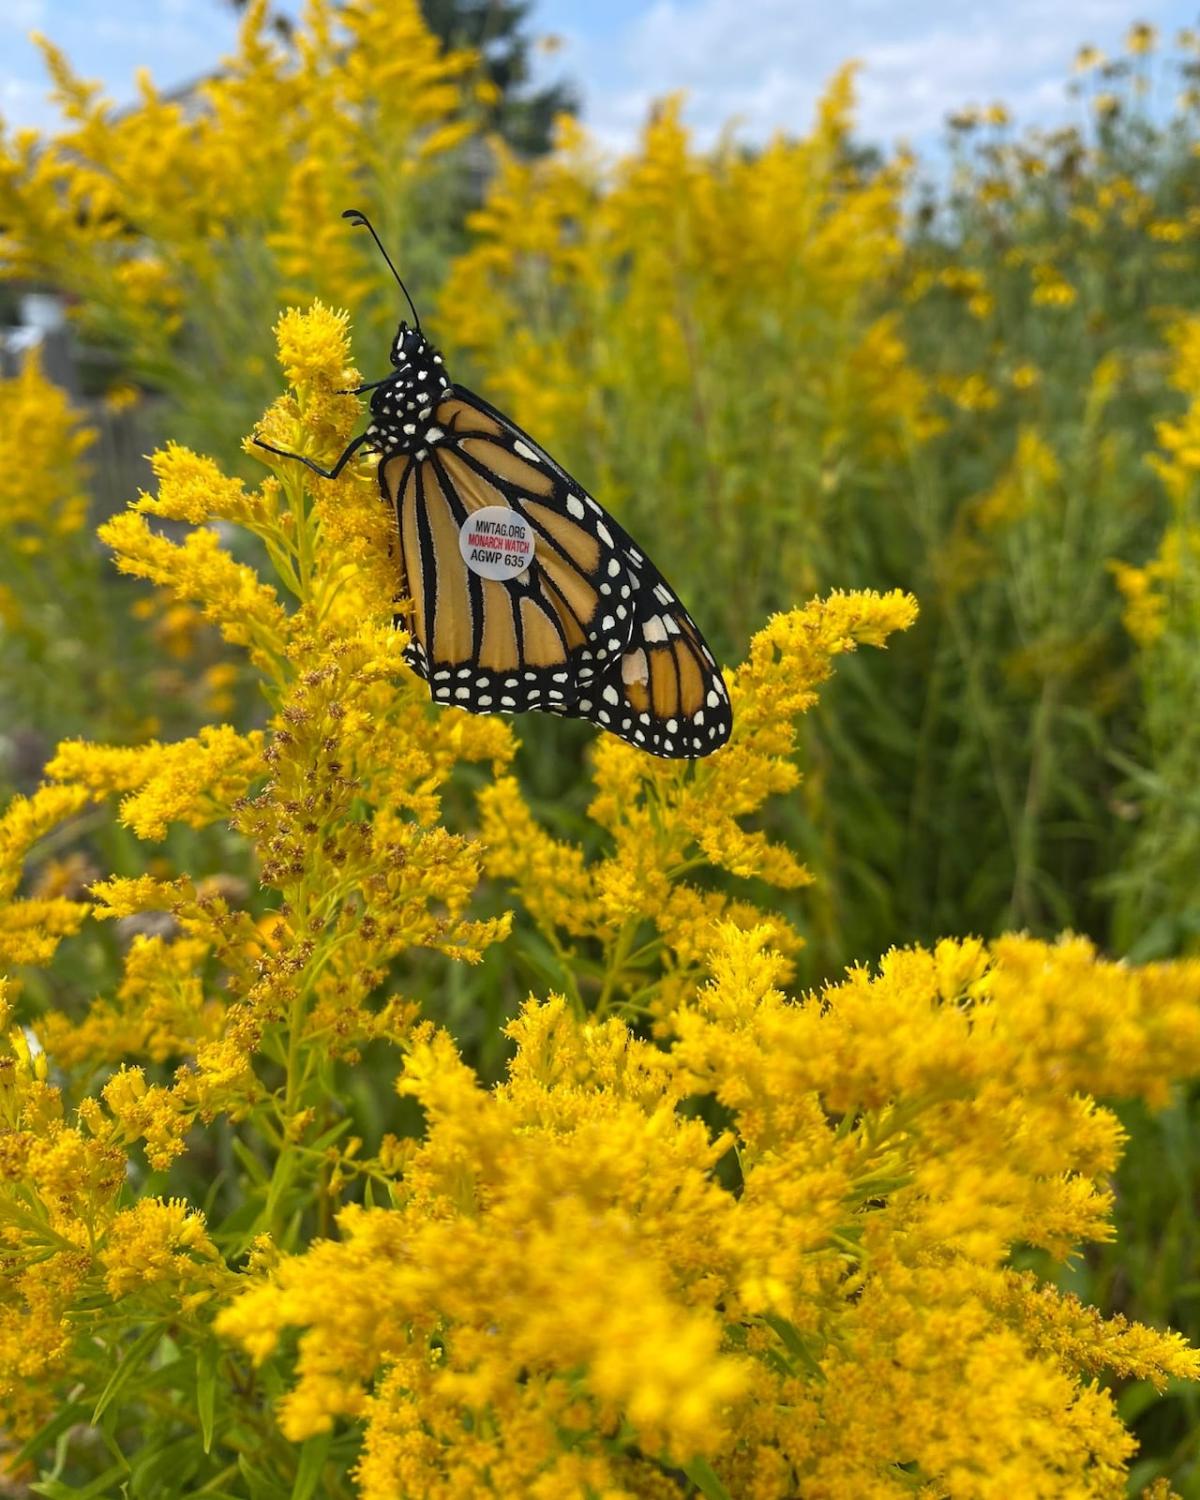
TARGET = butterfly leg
x,y
371,385
351,448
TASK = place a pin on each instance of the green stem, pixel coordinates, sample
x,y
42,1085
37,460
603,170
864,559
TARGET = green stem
x,y
615,967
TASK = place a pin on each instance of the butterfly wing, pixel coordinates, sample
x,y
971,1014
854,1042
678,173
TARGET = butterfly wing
x,y
592,630
510,644
664,693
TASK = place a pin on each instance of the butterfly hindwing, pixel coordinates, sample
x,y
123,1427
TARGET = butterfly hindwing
x,y
665,693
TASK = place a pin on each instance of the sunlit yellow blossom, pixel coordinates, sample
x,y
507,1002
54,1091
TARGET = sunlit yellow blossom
x,y
119,398
32,928
1051,288
43,499
201,570
974,394
1145,611
193,781
27,819
149,1113
157,1244
664,818
191,488
893,1141
313,347
1170,231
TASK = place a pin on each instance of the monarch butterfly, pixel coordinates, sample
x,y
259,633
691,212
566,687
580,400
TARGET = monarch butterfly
x,y
524,592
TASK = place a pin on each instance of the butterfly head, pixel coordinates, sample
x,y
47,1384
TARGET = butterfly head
x,y
403,405
409,346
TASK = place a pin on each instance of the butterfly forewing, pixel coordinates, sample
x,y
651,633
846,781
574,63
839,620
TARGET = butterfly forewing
x,y
532,641
663,692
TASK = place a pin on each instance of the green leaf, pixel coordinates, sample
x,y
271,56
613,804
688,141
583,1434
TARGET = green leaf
x,y
55,1489
700,1472
68,1417
312,1461
121,1375
794,1344
260,1484
206,1391
254,1168
162,1470
331,1135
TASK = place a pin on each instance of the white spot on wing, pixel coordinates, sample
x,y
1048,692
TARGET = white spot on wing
x,y
635,667
525,451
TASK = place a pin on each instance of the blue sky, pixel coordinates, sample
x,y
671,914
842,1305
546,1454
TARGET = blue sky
x,y
762,62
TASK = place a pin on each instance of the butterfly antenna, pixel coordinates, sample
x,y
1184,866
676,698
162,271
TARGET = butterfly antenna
x,y
357,217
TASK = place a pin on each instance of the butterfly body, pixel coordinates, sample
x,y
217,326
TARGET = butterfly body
x,y
402,404
522,591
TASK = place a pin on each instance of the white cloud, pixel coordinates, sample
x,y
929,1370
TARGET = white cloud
x,y
177,40
22,15
762,62
765,62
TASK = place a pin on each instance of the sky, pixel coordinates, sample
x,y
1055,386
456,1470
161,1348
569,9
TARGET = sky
x,y
761,62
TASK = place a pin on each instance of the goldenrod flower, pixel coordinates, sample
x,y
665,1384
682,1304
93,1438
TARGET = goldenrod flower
x,y
566,1225
1088,59
1141,39
704,1224
41,477
31,929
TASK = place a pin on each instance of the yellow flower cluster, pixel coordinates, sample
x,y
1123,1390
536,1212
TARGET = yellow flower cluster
x,y
630,354
804,1299
763,1242
71,1255
1163,592
32,927
193,781
668,819
221,207
340,798
42,496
